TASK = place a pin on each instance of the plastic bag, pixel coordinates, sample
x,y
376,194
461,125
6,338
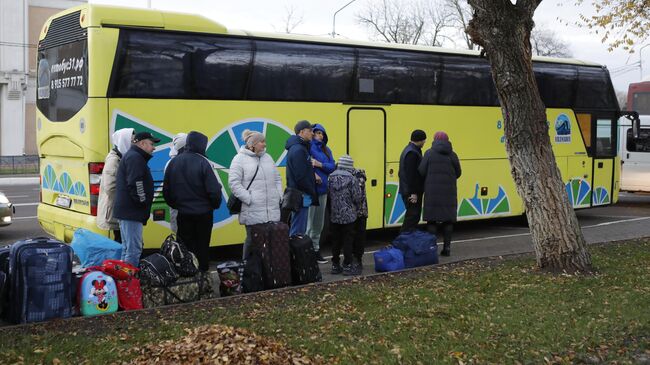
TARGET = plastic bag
x,y
92,248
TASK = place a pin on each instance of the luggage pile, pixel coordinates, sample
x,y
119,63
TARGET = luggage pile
x,y
409,249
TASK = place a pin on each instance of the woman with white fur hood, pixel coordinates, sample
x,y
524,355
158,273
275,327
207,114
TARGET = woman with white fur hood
x,y
122,140
178,145
260,201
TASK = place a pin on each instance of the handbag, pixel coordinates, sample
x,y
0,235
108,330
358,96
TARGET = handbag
x,y
234,204
156,270
292,199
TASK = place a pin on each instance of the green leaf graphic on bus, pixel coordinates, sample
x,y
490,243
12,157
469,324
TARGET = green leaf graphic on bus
x,y
601,196
475,206
394,207
579,191
63,184
221,149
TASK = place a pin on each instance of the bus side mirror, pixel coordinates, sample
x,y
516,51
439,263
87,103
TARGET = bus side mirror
x,y
636,121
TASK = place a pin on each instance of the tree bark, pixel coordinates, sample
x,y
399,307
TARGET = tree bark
x,y
503,30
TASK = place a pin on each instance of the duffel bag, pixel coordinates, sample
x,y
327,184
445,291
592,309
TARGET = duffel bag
x,y
389,259
419,248
184,261
184,290
156,270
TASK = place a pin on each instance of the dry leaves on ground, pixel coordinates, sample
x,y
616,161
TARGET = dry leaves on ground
x,y
217,344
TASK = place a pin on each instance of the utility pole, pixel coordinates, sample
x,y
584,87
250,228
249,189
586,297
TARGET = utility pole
x,y
334,18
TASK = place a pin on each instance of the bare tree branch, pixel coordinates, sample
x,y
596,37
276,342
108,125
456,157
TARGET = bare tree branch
x,y
291,20
545,42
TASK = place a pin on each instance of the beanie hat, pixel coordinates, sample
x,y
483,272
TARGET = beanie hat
x,y
303,124
346,162
418,135
441,136
251,138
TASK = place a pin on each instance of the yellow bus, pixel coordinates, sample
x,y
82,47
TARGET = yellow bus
x,y
103,68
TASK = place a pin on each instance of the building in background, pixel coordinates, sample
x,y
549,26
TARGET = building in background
x,y
20,25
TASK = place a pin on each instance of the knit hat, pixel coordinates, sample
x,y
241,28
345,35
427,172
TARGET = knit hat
x,y
346,162
251,138
418,135
441,136
303,124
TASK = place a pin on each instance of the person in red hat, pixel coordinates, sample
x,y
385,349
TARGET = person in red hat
x,y
440,168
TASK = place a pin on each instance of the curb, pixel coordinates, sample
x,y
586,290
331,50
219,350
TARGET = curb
x,y
17,181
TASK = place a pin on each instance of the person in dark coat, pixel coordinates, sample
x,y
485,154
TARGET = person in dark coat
x,y
300,174
440,168
411,184
191,187
134,195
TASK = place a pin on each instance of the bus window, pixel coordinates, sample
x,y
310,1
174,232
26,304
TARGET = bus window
x,y
641,103
604,138
641,144
301,72
584,121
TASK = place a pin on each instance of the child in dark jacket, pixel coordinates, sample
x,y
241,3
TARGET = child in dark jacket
x,y
345,199
359,244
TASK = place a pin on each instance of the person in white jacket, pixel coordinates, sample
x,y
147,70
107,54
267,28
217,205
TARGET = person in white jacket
x,y
260,202
121,140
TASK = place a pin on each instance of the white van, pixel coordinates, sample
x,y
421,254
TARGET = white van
x,y
635,155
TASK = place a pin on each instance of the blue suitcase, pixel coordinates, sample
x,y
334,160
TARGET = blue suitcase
x,y
40,280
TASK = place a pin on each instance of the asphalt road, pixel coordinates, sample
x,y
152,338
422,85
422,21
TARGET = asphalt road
x,y
629,218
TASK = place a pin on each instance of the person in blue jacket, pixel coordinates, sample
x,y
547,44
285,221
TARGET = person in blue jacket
x,y
323,164
300,174
134,195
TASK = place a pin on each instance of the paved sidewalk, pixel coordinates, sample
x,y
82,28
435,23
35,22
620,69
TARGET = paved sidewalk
x,y
15,180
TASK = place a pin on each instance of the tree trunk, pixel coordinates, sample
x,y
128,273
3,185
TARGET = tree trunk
x,y
503,29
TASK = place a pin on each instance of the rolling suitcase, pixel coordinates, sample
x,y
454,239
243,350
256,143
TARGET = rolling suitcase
x,y
40,272
97,294
272,241
304,267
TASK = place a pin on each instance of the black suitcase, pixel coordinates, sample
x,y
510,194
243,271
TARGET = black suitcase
x,y
304,267
40,280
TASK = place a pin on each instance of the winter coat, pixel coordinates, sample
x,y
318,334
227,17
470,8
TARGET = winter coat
x,y
440,168
121,140
410,181
300,174
329,165
345,197
360,175
261,203
190,184
134,187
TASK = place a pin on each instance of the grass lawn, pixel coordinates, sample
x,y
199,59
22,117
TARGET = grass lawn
x,y
486,311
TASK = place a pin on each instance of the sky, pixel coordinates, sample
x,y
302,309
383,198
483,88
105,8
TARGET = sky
x,y
268,15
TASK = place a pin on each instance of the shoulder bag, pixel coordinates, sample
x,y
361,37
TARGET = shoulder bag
x,y
234,204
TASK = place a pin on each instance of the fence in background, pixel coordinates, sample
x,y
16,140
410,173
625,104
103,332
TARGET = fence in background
x,y
14,165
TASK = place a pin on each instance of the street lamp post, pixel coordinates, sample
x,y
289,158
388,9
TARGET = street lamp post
x,y
641,62
334,18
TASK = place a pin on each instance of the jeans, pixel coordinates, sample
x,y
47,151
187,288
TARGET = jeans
x,y
195,231
299,222
342,238
412,215
315,221
131,232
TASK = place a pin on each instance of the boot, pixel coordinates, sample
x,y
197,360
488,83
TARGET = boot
x,y
446,249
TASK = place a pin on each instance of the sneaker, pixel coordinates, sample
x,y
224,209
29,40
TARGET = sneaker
x,y
320,259
352,269
336,269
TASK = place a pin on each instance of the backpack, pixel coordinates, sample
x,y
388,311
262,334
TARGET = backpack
x,y
184,261
156,270
97,294
129,292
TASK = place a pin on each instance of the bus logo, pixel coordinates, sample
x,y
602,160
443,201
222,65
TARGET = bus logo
x,y
562,129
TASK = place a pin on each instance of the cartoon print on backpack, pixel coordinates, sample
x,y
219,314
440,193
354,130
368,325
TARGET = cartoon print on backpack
x,y
98,295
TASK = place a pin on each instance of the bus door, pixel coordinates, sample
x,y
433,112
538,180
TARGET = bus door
x,y
635,154
366,144
604,158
